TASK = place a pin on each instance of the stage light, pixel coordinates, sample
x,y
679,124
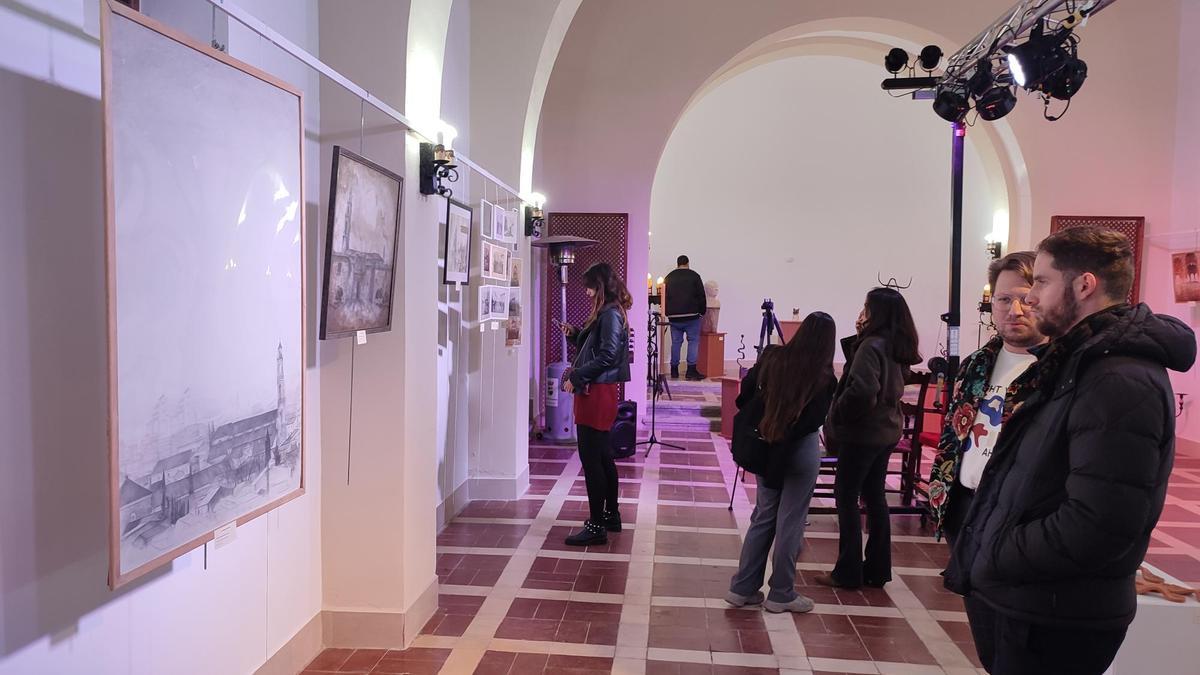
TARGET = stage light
x,y
896,60
951,103
996,103
1068,80
982,79
930,57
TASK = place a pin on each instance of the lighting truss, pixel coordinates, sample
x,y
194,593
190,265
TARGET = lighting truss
x,y
1011,27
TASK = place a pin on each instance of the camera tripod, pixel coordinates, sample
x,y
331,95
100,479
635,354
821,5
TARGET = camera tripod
x,y
769,324
656,380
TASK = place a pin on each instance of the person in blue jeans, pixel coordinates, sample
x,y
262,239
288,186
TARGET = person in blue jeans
x,y
685,303
796,385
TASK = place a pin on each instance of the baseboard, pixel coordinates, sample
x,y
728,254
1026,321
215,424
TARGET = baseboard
x,y
500,488
380,630
297,652
453,505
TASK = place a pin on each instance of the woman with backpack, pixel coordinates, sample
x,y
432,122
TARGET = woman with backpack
x,y
783,402
864,426
601,363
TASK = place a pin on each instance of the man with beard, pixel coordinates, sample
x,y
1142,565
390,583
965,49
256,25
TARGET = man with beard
x,y
1065,507
984,382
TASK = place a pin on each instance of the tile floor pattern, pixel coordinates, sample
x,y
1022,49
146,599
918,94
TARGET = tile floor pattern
x,y
515,600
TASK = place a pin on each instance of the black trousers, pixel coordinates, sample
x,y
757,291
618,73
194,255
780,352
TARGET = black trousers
x,y
956,512
1009,646
861,471
599,471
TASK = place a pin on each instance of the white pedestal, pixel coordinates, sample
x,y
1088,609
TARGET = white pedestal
x,y
1164,638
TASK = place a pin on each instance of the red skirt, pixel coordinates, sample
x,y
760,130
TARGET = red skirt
x,y
597,408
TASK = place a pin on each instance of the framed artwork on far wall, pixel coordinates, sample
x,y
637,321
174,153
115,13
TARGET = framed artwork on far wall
x,y
485,218
457,250
497,229
205,287
360,246
1185,272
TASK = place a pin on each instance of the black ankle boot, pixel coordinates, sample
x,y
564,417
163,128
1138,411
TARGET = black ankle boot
x,y
591,535
674,372
694,373
612,521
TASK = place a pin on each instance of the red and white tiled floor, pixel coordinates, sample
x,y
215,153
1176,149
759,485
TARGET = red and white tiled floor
x,y
516,600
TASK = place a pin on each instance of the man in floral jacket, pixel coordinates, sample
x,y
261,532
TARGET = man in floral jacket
x,y
989,383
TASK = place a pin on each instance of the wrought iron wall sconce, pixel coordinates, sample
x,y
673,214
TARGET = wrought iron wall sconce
x,y
994,249
535,218
437,168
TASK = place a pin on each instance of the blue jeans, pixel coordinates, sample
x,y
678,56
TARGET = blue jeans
x,y
779,517
690,328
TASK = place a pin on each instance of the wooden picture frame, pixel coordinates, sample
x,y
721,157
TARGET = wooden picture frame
x,y
461,274
370,272
275,443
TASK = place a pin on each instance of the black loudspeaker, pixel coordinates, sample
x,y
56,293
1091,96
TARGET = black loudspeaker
x,y
624,430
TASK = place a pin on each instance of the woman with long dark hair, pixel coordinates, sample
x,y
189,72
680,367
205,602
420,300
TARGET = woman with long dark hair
x,y
795,384
601,363
864,426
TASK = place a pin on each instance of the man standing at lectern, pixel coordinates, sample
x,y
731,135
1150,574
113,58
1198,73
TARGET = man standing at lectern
x,y
684,304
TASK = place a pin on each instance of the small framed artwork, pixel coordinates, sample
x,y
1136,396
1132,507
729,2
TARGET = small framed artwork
x,y
360,246
499,303
497,222
486,260
485,302
514,272
1185,270
485,218
457,251
510,227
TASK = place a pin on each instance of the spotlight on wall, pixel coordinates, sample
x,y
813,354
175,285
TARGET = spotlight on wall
x,y
951,103
929,58
437,164
995,103
896,60
535,218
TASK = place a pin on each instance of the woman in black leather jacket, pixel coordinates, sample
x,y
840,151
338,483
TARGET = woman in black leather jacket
x,y
601,363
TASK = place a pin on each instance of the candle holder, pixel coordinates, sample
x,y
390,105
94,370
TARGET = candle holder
x,y
437,168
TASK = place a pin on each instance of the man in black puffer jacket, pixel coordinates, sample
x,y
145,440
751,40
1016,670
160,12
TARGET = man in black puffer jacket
x,y
1064,510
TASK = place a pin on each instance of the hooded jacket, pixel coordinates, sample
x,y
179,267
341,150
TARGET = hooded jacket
x,y
1063,514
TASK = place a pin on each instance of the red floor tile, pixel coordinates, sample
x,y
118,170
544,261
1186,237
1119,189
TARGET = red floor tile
x,y
696,516
693,493
505,663
625,472
551,452
414,661
579,511
330,660
1183,567
625,490
933,594
453,615
541,486
561,621
469,569
698,545
521,508
489,535
690,581
689,459
547,468
691,475
584,576
739,631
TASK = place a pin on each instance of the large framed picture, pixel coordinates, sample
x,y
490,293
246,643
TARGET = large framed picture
x,y
360,246
457,250
1185,273
205,232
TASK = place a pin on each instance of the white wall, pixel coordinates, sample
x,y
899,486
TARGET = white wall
x,y
799,180
56,612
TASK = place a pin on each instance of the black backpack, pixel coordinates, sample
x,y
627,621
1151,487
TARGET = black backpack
x,y
750,450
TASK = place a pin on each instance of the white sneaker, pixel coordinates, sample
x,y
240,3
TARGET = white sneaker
x,y
742,600
800,605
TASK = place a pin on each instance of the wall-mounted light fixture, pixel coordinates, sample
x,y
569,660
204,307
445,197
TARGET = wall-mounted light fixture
x,y
535,218
999,234
438,164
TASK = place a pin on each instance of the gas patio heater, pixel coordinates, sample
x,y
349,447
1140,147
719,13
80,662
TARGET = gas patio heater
x,y
560,406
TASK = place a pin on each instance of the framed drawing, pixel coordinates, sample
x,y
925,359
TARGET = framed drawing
x,y
510,227
512,336
485,258
485,303
485,218
497,222
1185,272
204,218
360,246
457,251
514,272
499,262
499,306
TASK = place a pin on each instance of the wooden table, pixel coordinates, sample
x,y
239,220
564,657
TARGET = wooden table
x,y
729,392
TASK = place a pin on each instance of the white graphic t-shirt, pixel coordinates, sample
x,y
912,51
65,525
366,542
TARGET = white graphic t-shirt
x,y
977,449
